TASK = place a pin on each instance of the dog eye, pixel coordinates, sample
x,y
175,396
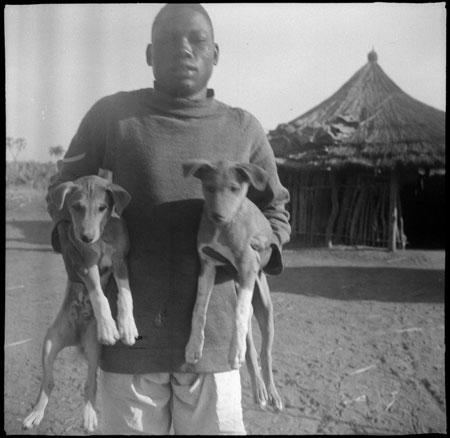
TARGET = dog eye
x,y
102,208
210,189
77,207
234,189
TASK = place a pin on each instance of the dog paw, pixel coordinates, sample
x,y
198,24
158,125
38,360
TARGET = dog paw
x,y
90,421
33,419
107,332
127,330
193,351
236,357
260,395
274,398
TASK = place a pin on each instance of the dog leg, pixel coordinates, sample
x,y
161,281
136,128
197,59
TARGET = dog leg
x,y
206,278
125,320
259,388
92,351
247,275
59,335
106,327
263,309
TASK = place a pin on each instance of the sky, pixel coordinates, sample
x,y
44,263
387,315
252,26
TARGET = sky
x,y
277,60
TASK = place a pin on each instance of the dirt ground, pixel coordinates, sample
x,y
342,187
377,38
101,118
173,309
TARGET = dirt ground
x,y
359,344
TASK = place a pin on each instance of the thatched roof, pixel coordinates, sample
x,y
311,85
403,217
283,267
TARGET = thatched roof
x,y
368,122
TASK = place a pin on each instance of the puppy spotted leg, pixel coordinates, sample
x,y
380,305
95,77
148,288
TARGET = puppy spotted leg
x,y
194,347
59,335
106,327
247,268
260,395
125,320
92,352
263,309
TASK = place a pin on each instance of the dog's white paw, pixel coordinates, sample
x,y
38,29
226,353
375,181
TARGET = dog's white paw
x,y
127,329
194,351
274,398
33,419
236,357
260,395
90,421
107,332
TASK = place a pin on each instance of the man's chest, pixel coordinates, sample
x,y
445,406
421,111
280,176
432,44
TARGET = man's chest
x,y
149,152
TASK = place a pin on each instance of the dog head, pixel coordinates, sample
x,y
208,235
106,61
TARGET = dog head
x,y
225,185
90,201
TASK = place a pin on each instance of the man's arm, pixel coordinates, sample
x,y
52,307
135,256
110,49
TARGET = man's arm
x,y
83,157
273,200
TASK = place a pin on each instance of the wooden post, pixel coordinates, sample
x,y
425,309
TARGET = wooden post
x,y
401,230
293,202
393,229
334,209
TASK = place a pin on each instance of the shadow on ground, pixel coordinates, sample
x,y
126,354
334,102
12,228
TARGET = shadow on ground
x,y
361,283
341,283
35,232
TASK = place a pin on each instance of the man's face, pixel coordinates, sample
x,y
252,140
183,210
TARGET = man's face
x,y
182,53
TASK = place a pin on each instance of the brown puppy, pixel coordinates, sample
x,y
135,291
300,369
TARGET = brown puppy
x,y
99,240
233,231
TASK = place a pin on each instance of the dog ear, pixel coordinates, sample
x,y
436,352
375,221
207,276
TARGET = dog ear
x,y
254,174
59,193
120,196
196,167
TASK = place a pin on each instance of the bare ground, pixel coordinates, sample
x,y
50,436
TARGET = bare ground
x,y
359,345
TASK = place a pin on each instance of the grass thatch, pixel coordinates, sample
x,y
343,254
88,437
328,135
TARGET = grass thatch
x,y
368,122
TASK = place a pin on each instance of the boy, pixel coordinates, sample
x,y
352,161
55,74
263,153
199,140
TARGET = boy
x,y
143,136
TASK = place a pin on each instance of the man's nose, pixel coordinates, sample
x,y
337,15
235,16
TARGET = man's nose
x,y
184,47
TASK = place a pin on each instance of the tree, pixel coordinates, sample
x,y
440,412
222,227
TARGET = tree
x,y
56,151
9,144
15,146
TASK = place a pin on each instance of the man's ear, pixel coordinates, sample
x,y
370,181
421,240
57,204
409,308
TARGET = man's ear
x,y
148,54
120,196
216,54
196,167
254,174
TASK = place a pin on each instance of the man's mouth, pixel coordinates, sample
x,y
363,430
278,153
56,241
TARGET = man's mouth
x,y
184,69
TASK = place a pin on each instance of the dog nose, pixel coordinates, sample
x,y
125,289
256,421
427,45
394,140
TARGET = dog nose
x,y
86,239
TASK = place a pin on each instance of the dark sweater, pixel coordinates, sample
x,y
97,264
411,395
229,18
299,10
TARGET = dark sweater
x,y
143,137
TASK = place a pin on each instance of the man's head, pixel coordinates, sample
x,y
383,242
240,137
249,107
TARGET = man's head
x,y
183,51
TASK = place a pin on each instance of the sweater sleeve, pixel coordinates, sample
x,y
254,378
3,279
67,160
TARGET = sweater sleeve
x,y
273,200
83,157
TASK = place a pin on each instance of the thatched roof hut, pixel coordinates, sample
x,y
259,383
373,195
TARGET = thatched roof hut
x,y
367,133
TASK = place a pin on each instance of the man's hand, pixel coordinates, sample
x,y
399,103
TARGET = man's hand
x,y
72,258
261,244
265,256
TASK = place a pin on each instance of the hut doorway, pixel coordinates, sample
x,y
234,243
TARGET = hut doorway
x,y
423,211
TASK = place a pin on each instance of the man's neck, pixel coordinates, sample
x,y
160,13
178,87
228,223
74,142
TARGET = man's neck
x,y
200,95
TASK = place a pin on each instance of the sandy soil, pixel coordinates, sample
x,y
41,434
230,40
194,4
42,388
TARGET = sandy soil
x,y
359,345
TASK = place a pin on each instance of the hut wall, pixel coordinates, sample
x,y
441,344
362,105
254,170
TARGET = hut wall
x,y
310,205
364,209
361,208
423,211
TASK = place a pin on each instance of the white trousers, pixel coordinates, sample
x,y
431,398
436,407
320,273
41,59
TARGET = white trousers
x,y
194,404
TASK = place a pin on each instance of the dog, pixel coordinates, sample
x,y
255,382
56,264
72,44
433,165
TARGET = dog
x,y
98,247
233,231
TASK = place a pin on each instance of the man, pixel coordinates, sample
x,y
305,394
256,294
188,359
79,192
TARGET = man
x,y
143,137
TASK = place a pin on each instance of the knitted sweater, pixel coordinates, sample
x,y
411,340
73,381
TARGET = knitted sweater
x,y
143,137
